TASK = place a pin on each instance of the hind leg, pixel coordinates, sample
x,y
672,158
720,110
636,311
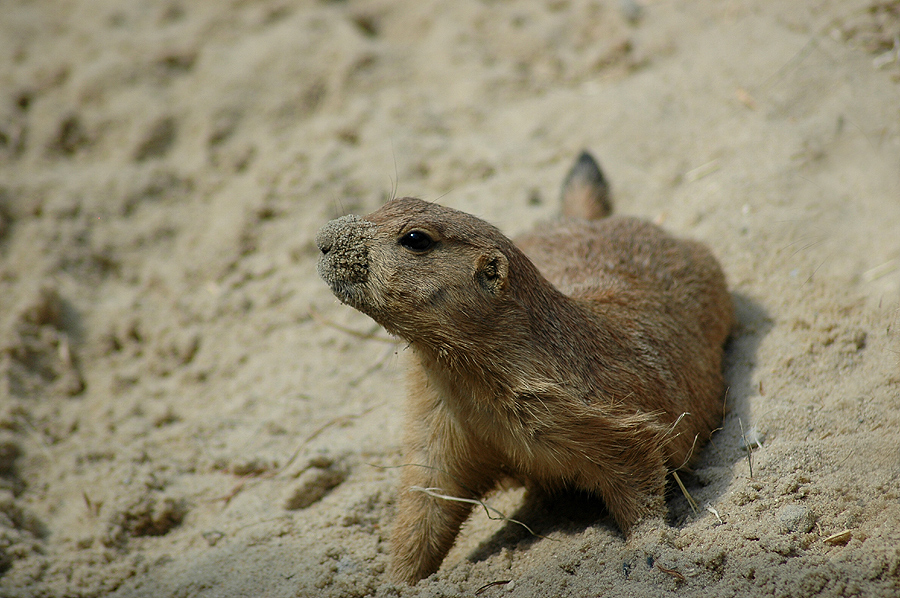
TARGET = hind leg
x,y
627,469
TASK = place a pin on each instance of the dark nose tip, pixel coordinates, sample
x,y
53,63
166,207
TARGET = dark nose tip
x,y
324,238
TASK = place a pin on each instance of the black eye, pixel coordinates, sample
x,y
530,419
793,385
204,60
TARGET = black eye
x,y
416,240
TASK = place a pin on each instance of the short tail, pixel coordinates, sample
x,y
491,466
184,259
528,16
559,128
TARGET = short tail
x,y
585,192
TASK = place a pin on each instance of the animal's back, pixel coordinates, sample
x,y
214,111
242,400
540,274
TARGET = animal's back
x,y
628,262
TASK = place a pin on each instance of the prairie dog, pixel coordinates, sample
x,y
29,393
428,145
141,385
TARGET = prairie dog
x,y
587,355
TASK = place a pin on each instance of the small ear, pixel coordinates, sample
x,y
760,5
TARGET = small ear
x,y
492,272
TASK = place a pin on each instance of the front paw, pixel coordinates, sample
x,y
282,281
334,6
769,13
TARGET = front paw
x,y
424,532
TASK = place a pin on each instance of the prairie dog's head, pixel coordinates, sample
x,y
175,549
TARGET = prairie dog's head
x,y
417,268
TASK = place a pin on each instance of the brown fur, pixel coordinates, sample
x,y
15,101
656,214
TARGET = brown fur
x,y
592,363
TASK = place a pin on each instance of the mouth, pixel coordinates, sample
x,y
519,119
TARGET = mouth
x,y
348,290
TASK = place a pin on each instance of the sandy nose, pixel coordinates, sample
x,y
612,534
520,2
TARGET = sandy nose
x,y
343,233
325,238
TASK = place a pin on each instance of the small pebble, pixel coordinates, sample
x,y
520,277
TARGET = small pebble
x,y
794,518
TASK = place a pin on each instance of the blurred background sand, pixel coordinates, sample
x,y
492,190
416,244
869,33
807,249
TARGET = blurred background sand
x,y
182,409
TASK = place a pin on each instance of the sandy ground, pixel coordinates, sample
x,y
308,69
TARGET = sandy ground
x,y
183,411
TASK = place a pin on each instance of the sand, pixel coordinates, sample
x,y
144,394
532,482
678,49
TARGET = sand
x,y
185,410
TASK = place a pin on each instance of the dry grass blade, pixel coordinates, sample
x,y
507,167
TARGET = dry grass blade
x,y
671,572
368,336
687,494
883,270
332,422
315,434
500,582
749,452
374,367
701,171
839,538
498,516
714,512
